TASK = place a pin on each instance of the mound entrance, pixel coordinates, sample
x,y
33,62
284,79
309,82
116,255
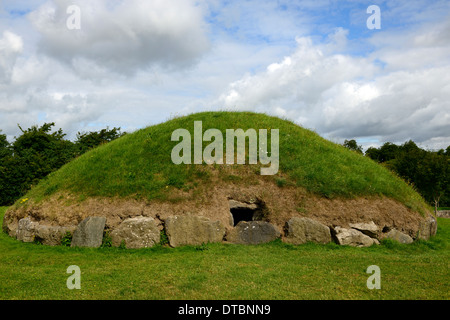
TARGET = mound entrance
x,y
247,211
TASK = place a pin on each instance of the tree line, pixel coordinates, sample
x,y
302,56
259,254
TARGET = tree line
x,y
428,171
37,152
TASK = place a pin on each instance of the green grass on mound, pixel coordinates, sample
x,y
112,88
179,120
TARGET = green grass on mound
x,y
271,271
139,164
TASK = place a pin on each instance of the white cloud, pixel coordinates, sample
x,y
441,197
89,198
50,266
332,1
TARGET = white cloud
x,y
11,46
134,63
123,36
344,96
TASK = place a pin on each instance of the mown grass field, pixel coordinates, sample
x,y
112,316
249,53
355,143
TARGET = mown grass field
x,y
272,271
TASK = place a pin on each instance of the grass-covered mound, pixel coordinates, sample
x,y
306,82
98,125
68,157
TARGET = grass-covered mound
x,y
134,175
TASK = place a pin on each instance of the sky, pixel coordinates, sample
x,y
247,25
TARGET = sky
x,y
87,65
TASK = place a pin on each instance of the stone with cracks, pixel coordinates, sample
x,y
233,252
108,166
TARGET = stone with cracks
x,y
353,237
253,232
302,230
89,232
138,232
193,230
26,230
369,229
51,235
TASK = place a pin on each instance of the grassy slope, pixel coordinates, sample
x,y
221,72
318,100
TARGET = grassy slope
x,y
139,164
219,271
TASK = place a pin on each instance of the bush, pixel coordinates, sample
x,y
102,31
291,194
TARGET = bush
x,y
67,239
163,238
107,241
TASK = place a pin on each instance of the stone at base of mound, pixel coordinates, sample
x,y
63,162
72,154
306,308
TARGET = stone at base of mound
x,y
193,230
428,227
253,232
302,230
138,232
398,236
89,233
52,235
29,231
26,230
353,237
368,228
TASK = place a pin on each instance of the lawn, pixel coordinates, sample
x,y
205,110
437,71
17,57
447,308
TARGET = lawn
x,y
217,271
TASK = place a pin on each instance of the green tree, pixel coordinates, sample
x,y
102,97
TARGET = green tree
x,y
432,178
373,153
386,152
34,154
88,140
352,145
5,147
37,152
428,171
5,154
48,151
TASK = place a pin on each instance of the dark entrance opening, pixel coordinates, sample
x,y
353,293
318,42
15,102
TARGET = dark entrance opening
x,y
242,214
243,211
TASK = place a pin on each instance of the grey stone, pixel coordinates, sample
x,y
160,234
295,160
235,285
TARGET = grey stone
x,y
302,230
353,237
10,226
369,229
26,230
427,227
239,205
138,232
398,236
52,235
89,233
193,230
253,232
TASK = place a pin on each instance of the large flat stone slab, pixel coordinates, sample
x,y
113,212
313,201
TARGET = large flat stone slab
x,y
135,233
253,232
193,230
303,230
89,233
